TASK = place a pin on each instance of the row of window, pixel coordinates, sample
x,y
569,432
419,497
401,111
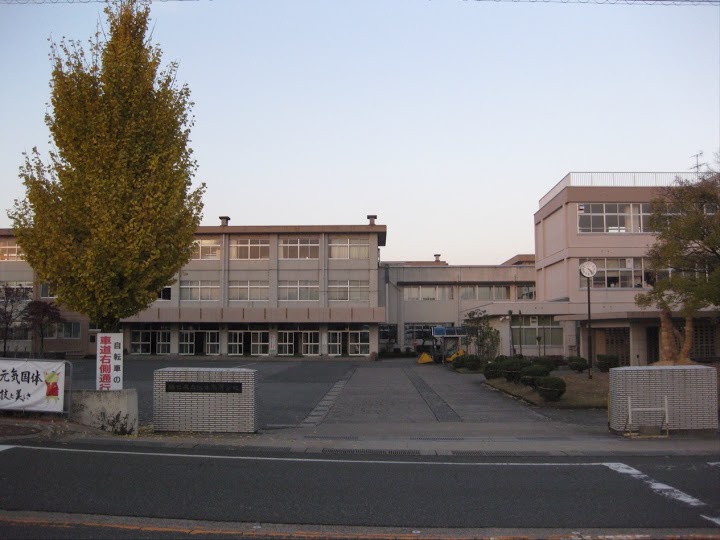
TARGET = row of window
x,y
339,247
467,292
256,342
63,330
623,273
614,218
294,290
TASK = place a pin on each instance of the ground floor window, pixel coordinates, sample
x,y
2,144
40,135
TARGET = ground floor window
x,y
536,330
358,343
311,343
259,343
187,343
416,333
235,343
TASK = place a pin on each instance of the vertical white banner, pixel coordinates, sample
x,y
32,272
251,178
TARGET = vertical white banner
x,y
109,361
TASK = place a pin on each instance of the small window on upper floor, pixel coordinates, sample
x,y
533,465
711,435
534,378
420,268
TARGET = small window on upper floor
x,y
349,247
244,249
206,249
299,247
10,251
47,290
165,293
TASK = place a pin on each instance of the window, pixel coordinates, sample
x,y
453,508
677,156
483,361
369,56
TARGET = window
x,y
344,247
259,343
249,249
349,290
47,290
613,218
140,342
300,248
526,292
311,343
358,343
428,292
199,290
206,249
212,343
187,342
299,290
235,343
286,343
420,332
65,330
484,292
526,330
248,290
165,293
622,273
10,251
163,342
23,288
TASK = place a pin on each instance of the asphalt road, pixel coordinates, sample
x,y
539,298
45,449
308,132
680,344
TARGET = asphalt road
x,y
637,493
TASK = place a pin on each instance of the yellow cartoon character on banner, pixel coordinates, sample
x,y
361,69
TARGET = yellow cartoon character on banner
x,y
53,390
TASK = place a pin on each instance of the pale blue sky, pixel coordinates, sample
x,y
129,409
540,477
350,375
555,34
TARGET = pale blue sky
x,y
449,119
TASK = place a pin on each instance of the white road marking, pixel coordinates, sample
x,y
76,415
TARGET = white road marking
x,y
714,463
621,468
661,489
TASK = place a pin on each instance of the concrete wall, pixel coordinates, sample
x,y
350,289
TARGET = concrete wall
x,y
114,411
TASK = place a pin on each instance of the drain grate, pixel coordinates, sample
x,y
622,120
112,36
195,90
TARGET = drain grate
x,y
368,451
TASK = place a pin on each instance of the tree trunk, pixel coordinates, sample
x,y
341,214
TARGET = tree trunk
x,y
684,355
668,349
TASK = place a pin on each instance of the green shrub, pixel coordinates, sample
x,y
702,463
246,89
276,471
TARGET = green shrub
x,y
550,388
512,369
494,370
577,363
472,362
545,361
458,362
528,380
535,370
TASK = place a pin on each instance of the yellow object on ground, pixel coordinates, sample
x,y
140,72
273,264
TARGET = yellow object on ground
x,y
452,357
425,358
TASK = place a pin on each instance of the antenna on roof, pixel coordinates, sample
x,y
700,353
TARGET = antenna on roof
x,y
697,162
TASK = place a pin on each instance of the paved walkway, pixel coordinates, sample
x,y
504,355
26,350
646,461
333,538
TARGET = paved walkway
x,y
397,408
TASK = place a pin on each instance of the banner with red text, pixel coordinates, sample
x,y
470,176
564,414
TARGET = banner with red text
x,y
109,362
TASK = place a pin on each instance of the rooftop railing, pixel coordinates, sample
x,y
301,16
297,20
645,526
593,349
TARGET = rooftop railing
x,y
616,179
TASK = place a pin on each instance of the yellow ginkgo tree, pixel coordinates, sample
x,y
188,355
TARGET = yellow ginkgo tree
x,y
110,219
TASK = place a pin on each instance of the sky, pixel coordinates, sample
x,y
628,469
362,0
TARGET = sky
x,y
449,119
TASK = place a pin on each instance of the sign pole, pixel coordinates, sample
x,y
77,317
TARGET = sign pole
x,y
589,269
590,336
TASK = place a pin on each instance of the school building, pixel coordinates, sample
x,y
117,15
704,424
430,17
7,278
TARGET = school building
x,y
325,290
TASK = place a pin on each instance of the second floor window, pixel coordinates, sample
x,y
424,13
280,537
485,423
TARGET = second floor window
x,y
300,248
249,249
348,247
428,292
10,251
613,218
484,292
299,290
352,290
248,290
199,290
206,249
